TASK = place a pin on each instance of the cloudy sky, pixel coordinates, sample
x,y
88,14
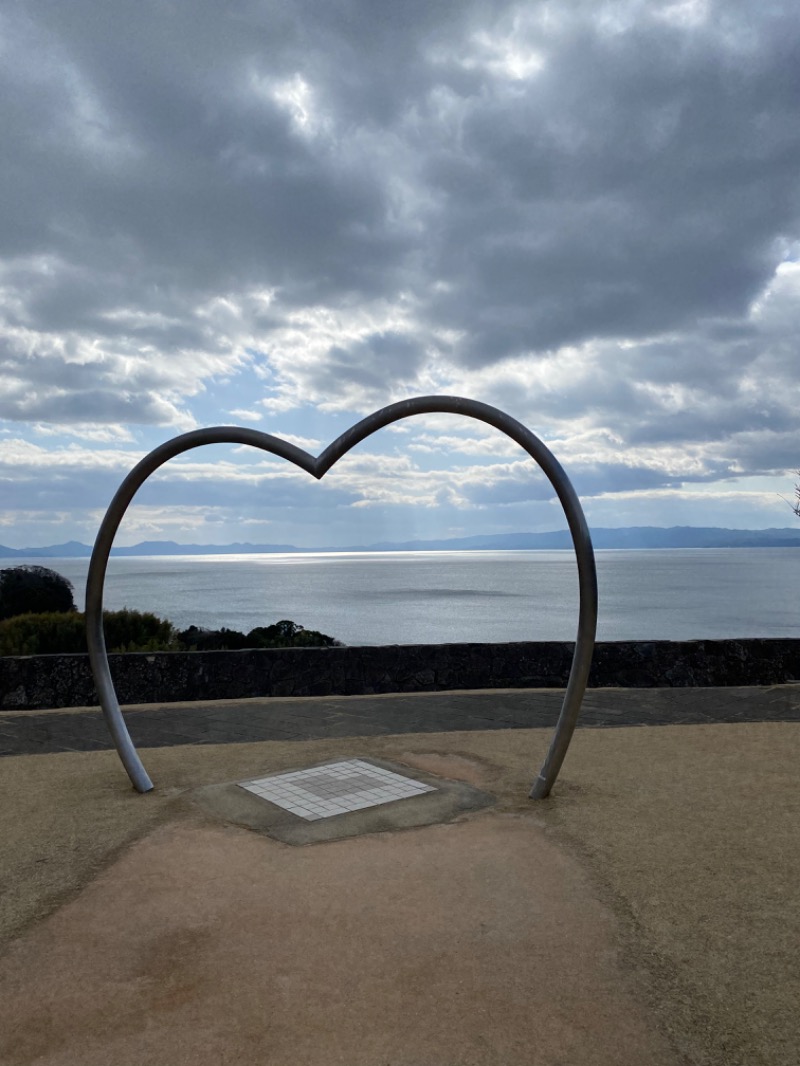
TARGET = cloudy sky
x,y
285,215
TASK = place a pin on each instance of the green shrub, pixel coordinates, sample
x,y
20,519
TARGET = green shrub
x,y
43,634
137,631
59,633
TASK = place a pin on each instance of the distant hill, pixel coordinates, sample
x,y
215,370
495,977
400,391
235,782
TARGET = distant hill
x,y
626,537
72,549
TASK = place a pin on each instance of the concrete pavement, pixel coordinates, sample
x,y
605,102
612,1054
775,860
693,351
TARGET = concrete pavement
x,y
311,718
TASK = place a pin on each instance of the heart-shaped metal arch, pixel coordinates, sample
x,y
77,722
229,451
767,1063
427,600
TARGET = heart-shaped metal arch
x,y
318,467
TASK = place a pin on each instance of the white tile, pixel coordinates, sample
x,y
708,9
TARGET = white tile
x,y
287,791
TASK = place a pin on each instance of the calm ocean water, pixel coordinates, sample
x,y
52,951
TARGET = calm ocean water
x,y
440,597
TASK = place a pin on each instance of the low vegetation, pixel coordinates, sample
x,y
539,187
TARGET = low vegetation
x,y
56,633
38,617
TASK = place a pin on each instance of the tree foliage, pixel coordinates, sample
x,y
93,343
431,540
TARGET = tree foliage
x,y
63,633
38,617
195,638
283,634
286,634
34,590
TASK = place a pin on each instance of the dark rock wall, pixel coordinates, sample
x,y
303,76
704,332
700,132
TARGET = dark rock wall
x,y
41,681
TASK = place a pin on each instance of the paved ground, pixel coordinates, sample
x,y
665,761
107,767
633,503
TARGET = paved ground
x,y
646,913
300,718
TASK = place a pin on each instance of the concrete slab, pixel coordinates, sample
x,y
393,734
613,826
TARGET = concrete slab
x,y
230,803
477,943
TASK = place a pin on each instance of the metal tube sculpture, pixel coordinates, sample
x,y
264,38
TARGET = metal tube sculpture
x,y
318,467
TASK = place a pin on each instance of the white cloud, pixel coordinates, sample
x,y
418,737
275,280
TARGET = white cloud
x,y
246,415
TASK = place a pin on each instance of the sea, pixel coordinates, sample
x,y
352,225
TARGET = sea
x,y
453,596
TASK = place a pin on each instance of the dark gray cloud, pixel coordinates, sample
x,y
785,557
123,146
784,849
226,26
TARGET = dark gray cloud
x,y
153,146
636,182
362,369
639,185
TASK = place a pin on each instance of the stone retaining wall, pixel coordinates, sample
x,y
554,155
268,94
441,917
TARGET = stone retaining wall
x,y
43,681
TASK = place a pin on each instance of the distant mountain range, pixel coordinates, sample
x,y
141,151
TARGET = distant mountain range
x,y
626,537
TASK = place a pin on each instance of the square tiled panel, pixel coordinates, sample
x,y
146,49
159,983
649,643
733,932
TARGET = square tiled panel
x,y
337,788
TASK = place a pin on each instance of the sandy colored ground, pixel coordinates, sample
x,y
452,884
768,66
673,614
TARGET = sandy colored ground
x,y
648,912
